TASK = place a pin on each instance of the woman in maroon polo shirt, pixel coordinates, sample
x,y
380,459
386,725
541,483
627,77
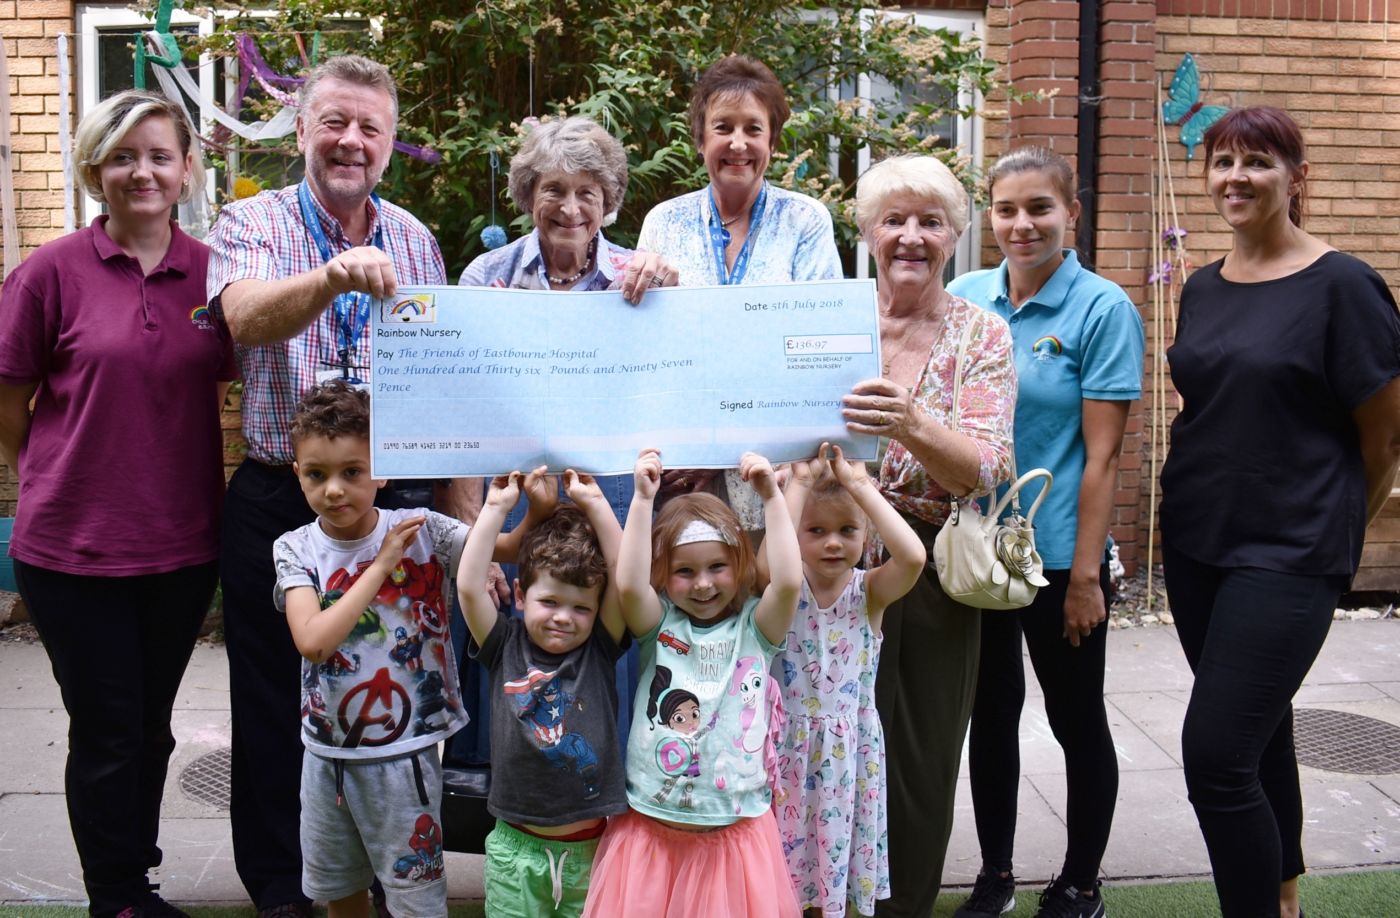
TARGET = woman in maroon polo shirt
x,y
120,476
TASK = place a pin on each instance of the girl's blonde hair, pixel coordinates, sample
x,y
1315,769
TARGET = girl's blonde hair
x,y
707,508
106,125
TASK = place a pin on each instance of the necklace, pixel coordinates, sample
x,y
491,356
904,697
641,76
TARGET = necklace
x,y
587,262
895,348
725,223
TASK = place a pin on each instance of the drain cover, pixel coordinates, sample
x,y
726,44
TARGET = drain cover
x,y
206,778
1351,743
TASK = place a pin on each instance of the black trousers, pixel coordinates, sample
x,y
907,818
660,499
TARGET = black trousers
x,y
1072,680
263,502
118,647
923,690
1250,636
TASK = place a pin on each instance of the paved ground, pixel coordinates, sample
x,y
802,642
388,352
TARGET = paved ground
x,y
1352,820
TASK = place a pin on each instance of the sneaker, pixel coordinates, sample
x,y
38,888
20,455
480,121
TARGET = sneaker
x,y
992,895
286,910
153,906
1061,900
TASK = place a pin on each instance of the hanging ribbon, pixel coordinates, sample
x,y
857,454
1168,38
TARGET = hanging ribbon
x,y
65,136
7,183
177,78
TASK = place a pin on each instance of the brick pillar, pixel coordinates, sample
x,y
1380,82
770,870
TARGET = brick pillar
x,y
1043,56
1127,131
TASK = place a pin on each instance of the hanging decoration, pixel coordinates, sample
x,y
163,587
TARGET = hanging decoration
x,y
164,52
9,225
1184,106
494,235
176,79
65,135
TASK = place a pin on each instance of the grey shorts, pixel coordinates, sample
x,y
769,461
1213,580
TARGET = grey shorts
x,y
386,824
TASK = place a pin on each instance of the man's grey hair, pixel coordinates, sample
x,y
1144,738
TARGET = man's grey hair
x,y
351,68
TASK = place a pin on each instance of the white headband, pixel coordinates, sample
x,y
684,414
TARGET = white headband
x,y
701,531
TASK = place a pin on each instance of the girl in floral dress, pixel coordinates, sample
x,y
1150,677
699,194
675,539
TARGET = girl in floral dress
x,y
831,798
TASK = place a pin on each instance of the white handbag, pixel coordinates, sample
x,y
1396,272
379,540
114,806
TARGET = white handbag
x,y
987,562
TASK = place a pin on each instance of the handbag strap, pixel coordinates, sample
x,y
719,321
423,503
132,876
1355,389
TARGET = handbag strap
x,y
962,357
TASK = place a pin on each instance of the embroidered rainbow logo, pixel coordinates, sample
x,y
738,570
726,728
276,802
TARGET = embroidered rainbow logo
x,y
201,318
417,307
1047,347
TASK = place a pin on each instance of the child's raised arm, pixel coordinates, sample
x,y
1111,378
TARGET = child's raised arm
x,y
779,602
478,606
801,476
318,632
588,497
897,576
641,608
543,494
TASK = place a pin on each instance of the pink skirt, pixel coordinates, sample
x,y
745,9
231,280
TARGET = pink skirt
x,y
648,869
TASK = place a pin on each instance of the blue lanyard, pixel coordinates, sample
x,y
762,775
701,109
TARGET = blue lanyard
x,y
719,238
351,309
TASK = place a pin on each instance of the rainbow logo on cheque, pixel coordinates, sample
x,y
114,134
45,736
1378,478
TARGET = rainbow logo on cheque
x,y
417,307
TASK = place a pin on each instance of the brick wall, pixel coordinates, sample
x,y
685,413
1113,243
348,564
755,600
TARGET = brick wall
x,y
30,29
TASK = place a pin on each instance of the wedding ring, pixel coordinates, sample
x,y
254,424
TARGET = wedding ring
x,y
655,281
884,419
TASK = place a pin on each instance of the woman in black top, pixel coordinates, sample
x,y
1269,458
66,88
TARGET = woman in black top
x,y
1287,358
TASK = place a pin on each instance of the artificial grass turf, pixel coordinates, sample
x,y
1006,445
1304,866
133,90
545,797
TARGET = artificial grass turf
x,y
1358,894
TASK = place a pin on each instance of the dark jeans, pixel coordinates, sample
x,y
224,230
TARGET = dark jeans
x,y
923,690
1250,636
119,647
264,502
1072,680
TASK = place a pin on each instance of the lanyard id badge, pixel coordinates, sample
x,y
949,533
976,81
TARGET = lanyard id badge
x,y
719,238
349,311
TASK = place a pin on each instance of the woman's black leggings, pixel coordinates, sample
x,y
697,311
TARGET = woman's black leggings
x,y
1072,680
1250,636
118,647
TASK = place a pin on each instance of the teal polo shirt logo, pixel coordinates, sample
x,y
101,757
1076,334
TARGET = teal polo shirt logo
x,y
1047,348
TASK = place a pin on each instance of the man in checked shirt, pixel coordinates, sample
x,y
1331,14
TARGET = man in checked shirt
x,y
293,273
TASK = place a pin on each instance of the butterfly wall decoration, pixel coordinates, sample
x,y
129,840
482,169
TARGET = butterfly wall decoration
x,y
1184,107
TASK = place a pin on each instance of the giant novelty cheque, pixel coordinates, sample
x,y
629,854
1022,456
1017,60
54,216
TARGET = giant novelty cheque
x,y
480,380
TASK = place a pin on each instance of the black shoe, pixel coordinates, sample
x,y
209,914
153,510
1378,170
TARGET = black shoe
x,y
1061,900
286,910
153,906
992,895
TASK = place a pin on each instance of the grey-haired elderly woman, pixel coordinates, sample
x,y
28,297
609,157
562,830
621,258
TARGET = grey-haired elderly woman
x,y
570,175
911,210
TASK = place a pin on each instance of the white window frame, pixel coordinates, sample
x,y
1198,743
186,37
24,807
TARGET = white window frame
x,y
967,256
94,18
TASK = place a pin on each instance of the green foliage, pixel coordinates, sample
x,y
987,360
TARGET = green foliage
x,y
470,74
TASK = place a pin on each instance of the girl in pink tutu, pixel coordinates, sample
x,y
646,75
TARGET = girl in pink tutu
x,y
700,838
831,761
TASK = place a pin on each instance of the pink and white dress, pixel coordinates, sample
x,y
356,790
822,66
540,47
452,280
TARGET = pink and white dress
x,y
831,764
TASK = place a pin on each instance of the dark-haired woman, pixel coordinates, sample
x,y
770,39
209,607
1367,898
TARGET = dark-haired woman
x,y
1287,358
1078,348
739,229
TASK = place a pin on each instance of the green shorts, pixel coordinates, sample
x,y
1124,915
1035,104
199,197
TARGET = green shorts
x,y
527,876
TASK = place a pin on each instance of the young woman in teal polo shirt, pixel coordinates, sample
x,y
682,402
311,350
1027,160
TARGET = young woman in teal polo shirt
x,y
1078,350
